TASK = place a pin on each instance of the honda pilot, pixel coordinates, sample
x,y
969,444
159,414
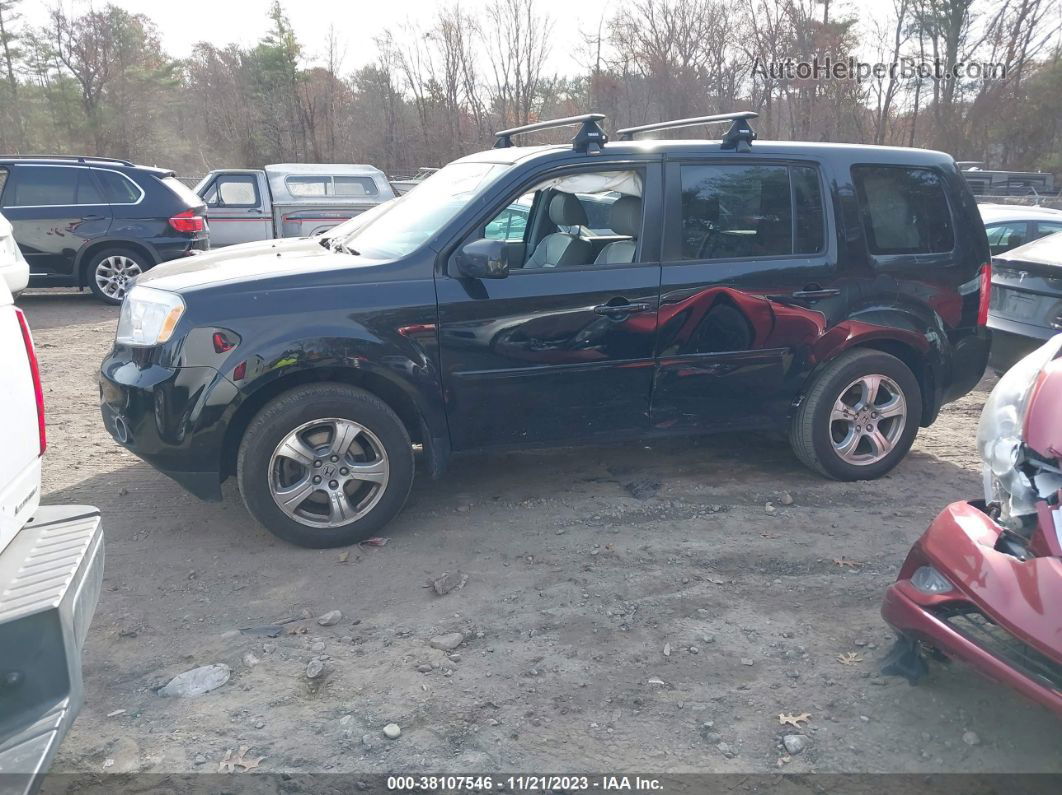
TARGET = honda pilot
x,y
834,292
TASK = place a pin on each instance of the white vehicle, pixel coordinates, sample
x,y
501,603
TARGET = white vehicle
x,y
14,270
287,199
1013,225
51,570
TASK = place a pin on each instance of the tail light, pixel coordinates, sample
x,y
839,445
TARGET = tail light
x,y
38,391
986,294
188,221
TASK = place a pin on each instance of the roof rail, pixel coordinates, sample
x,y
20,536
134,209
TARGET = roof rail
x,y
77,158
739,137
589,138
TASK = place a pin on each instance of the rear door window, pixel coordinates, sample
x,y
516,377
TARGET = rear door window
x,y
88,191
905,210
43,186
1004,237
732,211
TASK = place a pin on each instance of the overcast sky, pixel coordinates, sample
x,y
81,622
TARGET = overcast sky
x,y
182,23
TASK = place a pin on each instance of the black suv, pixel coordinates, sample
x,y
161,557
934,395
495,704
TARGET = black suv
x,y
96,221
834,292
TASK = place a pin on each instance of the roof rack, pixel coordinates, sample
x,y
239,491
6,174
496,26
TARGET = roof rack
x,y
77,158
589,138
739,137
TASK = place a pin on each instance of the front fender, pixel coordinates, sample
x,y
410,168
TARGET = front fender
x,y
402,370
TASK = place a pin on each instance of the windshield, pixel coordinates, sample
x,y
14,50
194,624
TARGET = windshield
x,y
341,231
411,220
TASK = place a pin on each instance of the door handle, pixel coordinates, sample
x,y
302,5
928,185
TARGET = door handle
x,y
815,292
93,217
255,210
620,310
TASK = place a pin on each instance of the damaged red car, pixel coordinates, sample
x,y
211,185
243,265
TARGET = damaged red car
x,y
983,585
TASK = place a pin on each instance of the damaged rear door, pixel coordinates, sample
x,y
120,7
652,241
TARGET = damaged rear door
x,y
748,281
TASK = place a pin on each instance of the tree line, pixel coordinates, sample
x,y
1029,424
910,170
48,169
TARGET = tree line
x,y
101,82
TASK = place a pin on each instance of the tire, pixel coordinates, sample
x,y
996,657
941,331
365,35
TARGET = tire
x,y
837,444
110,272
291,439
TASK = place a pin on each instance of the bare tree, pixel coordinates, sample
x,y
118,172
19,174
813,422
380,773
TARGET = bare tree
x,y
517,39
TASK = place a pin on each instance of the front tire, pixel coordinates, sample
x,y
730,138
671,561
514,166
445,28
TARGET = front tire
x,y
111,272
859,418
325,465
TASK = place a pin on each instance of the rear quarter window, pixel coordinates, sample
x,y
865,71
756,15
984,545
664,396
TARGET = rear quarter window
x,y
905,210
117,188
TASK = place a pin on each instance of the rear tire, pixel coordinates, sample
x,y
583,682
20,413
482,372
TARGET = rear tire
x,y
111,272
325,465
859,417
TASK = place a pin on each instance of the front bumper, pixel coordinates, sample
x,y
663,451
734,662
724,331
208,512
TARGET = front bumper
x,y
172,417
1001,618
50,580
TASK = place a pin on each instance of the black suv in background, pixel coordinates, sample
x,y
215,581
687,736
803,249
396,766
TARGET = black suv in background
x,y
97,222
835,292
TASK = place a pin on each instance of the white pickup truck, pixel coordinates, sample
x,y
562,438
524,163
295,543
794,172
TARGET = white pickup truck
x,y
287,199
51,571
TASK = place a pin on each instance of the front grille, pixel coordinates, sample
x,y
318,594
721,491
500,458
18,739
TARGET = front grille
x,y
978,628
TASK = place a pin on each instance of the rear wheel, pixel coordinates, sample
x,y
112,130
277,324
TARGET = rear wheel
x,y
859,418
325,465
111,272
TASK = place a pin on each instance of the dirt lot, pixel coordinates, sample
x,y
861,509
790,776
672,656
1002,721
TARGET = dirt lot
x,y
604,631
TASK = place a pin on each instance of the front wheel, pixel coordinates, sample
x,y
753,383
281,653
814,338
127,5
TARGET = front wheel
x,y
111,273
859,418
325,465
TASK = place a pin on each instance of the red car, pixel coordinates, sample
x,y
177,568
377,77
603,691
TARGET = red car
x,y
983,585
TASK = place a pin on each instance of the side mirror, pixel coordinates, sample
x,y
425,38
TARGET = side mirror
x,y
483,259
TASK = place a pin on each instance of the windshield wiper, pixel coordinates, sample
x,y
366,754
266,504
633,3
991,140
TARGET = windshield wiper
x,y
340,245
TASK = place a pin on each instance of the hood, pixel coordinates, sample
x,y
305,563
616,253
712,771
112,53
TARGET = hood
x,y
5,227
250,262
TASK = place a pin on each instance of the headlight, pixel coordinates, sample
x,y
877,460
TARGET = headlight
x,y
149,316
999,434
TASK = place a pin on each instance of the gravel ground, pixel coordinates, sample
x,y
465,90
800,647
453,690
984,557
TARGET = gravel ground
x,y
626,608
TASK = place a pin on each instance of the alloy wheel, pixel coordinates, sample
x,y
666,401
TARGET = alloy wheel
x,y
868,419
114,275
328,472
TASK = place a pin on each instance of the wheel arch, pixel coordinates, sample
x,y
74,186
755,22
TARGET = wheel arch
x,y
396,398
913,349
85,256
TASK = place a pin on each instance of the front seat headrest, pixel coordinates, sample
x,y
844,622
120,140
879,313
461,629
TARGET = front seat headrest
x,y
625,216
565,209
